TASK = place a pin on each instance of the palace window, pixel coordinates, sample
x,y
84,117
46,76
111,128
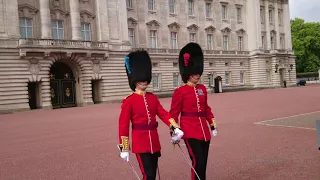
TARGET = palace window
x,y
224,12
208,9
280,16
209,42
86,31
270,16
26,28
129,3
153,39
263,42
282,44
272,43
171,6
225,42
131,37
227,78
175,80
151,5
262,14
174,40
57,29
155,81
193,37
242,77
240,43
239,14
190,7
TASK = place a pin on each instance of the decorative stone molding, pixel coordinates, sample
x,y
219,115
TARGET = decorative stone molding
x,y
153,24
226,30
273,32
56,3
58,13
132,22
33,66
25,10
210,29
241,32
85,1
193,28
86,16
174,27
96,66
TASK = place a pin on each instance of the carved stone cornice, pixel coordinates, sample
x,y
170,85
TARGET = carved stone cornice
x,y
26,10
193,28
153,24
174,26
241,31
58,13
210,29
86,16
226,30
132,22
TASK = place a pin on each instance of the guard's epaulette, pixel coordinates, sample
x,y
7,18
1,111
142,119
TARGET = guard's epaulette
x,y
128,96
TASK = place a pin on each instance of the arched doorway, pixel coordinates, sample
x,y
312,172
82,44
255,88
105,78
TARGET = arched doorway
x,y
62,86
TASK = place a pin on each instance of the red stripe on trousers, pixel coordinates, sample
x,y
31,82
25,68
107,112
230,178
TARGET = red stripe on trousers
x,y
141,166
193,159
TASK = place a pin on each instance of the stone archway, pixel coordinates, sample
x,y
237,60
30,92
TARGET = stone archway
x,y
64,90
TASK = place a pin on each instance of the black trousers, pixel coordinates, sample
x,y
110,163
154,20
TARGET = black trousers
x,y
198,151
148,164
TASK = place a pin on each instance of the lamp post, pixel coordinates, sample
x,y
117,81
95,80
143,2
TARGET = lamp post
x,y
276,66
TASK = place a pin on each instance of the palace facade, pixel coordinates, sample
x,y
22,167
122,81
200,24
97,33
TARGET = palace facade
x,y
66,53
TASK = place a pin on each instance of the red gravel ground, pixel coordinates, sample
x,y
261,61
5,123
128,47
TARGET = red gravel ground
x,y
80,143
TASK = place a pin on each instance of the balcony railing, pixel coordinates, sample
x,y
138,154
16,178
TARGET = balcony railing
x,y
73,44
207,52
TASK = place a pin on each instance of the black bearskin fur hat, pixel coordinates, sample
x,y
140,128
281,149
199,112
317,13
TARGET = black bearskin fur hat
x,y
138,67
190,61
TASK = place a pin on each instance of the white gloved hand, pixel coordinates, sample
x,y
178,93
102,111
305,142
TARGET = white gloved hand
x,y
177,135
124,156
214,132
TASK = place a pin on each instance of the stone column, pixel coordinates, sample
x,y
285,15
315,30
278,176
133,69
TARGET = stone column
x,y
123,21
254,27
75,19
276,25
287,28
9,20
268,36
102,20
45,18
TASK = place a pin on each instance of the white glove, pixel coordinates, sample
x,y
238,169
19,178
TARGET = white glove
x,y
214,132
124,156
177,135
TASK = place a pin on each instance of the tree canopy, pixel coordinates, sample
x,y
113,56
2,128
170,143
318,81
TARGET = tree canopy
x,y
306,45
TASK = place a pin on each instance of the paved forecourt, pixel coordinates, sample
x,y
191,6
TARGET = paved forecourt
x,y
262,134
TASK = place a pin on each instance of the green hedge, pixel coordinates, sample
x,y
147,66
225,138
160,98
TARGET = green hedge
x,y
307,75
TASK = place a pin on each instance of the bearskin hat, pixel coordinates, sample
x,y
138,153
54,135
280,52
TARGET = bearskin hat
x,y
138,67
190,61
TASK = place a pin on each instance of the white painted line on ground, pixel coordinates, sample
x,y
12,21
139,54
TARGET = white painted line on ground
x,y
287,117
284,126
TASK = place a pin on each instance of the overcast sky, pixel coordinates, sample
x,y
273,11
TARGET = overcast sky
x,y
309,10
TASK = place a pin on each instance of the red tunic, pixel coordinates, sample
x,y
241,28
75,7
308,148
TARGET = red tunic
x,y
191,101
142,110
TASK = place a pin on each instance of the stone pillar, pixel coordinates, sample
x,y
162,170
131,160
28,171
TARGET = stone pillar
x,y
276,25
9,19
287,26
75,19
254,27
45,18
123,20
102,20
268,36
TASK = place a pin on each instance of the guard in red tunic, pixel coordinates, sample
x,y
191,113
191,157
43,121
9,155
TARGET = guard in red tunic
x,y
190,101
141,108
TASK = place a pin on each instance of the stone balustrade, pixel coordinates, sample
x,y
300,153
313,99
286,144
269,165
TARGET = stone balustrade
x,y
206,52
66,44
